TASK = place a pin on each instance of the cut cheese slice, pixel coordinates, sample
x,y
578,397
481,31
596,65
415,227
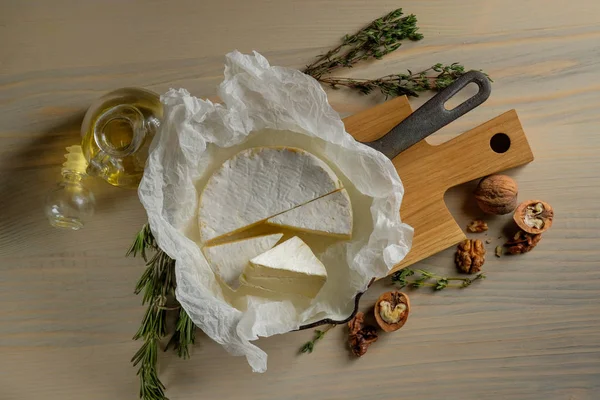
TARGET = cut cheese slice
x,y
329,215
229,260
288,268
259,183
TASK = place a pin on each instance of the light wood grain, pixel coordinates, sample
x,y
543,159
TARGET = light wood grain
x,y
530,331
429,171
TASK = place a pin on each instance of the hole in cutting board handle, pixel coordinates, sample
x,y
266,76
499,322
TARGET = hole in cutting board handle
x,y
500,143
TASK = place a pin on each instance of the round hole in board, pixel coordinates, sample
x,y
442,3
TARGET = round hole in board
x,y
500,143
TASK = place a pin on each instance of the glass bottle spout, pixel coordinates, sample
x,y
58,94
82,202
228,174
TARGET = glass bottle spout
x,y
71,204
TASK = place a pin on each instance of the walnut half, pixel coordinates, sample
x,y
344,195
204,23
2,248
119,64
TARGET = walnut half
x,y
470,256
391,310
534,216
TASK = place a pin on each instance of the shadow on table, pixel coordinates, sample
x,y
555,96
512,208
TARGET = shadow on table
x,y
31,171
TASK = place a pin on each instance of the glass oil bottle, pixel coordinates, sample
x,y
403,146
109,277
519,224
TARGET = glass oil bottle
x,y
116,134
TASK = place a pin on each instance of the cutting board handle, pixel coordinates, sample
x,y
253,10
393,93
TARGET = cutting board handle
x,y
495,145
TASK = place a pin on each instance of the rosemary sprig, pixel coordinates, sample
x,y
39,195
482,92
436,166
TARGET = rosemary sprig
x,y
151,388
158,286
184,336
436,77
143,240
380,37
425,278
309,346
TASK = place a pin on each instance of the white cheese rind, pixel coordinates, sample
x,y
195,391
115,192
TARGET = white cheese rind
x,y
259,183
229,260
329,215
289,268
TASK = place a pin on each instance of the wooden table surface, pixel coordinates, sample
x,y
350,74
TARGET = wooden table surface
x,y
530,331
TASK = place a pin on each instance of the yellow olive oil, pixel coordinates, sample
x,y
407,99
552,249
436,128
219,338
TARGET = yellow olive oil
x,y
116,133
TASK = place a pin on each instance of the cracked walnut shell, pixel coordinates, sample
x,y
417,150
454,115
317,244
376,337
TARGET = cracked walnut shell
x,y
534,216
470,256
497,194
391,310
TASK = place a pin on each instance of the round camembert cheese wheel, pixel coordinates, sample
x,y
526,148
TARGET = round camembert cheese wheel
x,y
259,183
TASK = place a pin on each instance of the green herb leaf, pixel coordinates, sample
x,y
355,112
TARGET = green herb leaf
x,y
441,284
309,346
143,240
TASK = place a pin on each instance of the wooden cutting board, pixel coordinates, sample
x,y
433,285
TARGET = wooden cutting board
x,y
427,171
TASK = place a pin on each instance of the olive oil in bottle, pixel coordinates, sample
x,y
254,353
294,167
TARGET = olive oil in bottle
x,y
116,133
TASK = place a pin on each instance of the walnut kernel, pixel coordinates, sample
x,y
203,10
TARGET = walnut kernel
x,y
534,216
470,256
477,226
522,242
360,336
391,310
497,194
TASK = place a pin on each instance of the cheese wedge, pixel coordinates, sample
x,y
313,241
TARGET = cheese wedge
x,y
229,260
259,183
329,215
288,268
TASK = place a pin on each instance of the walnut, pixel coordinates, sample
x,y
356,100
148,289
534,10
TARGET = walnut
x,y
534,216
522,242
360,337
470,256
477,226
497,194
391,310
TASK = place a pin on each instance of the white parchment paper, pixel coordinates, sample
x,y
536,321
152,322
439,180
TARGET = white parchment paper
x,y
265,105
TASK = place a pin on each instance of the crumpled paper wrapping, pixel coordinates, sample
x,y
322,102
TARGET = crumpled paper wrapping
x,y
265,105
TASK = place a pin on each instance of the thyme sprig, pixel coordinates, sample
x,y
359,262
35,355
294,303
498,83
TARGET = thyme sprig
x,y
436,77
309,346
382,36
429,279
